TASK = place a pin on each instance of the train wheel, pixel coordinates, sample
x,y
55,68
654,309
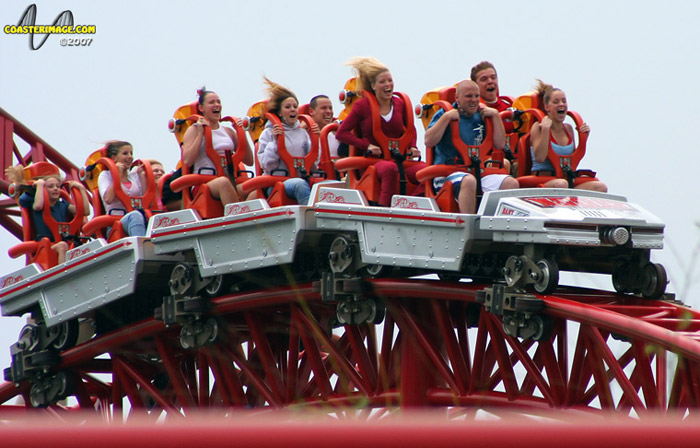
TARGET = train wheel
x,y
219,285
655,280
544,325
47,390
181,279
375,271
65,334
620,277
37,396
548,280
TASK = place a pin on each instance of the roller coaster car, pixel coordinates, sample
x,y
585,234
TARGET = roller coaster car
x,y
195,191
102,223
40,252
530,234
565,167
578,230
361,173
304,167
91,284
481,160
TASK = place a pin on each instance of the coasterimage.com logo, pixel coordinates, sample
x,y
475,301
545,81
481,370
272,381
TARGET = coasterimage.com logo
x,y
63,24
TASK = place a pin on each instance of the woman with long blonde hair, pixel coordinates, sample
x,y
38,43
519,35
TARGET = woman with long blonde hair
x,y
356,130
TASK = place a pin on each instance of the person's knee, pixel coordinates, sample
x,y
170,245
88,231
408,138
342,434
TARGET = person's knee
x,y
219,185
558,183
387,170
298,189
134,223
509,183
465,186
469,184
300,186
60,247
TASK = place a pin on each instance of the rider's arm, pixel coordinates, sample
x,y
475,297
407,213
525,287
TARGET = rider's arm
x,y
191,143
539,137
39,196
438,126
352,122
267,151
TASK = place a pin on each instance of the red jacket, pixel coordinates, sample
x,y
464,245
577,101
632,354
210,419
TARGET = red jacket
x,y
360,121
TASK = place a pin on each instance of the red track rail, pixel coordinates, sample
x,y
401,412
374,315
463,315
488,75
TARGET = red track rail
x,y
276,351
39,151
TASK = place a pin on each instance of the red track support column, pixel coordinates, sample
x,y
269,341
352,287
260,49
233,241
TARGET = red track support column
x,y
416,376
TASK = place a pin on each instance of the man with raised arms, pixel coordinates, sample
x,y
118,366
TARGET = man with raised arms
x,y
471,115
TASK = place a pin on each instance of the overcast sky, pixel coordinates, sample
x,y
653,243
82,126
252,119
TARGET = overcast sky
x,y
629,68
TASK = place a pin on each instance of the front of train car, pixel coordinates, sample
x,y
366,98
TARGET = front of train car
x,y
575,230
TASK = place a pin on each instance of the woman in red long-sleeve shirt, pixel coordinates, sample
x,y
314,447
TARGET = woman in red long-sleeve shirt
x,y
375,78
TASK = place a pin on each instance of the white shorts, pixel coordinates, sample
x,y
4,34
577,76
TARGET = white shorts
x,y
492,182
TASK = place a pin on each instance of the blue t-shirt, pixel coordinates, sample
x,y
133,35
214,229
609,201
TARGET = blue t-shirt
x,y
471,130
59,212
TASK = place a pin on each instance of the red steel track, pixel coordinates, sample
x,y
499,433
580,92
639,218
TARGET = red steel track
x,y
607,352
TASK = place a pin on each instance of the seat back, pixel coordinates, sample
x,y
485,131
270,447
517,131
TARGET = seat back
x,y
254,121
526,102
327,161
180,122
305,109
430,103
347,96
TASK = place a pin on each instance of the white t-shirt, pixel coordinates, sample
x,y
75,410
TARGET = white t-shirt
x,y
116,207
221,141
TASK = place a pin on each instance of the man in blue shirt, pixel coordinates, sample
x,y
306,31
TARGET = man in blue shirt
x,y
471,114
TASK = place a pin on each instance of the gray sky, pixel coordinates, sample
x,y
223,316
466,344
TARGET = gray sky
x,y
629,68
